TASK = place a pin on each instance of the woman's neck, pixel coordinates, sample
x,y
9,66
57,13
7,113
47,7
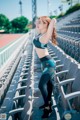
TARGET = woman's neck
x,y
43,31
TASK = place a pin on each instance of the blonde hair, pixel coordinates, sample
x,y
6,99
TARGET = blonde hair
x,y
54,34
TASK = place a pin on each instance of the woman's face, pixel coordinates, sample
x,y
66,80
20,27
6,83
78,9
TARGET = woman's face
x,y
41,25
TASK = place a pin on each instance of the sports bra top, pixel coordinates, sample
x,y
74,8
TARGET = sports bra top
x,y
38,44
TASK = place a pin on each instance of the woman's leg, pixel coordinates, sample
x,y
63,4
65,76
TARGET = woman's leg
x,y
43,86
49,89
46,87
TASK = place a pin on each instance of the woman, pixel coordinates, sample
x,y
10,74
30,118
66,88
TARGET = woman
x,y
46,28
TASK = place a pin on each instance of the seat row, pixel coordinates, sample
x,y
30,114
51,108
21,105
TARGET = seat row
x,y
21,101
72,28
70,47
5,80
74,21
72,35
67,83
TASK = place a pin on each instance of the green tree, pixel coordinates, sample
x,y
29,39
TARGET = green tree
x,y
73,8
19,24
4,23
53,16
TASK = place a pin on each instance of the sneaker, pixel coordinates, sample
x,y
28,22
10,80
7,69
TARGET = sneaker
x,y
43,106
47,112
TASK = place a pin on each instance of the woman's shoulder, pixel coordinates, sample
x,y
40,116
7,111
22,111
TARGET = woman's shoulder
x,y
44,39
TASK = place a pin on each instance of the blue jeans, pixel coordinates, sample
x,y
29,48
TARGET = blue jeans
x,y
46,80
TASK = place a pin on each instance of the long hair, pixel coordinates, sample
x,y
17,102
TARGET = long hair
x,y
54,34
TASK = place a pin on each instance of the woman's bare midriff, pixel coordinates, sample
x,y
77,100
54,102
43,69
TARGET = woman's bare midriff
x,y
41,52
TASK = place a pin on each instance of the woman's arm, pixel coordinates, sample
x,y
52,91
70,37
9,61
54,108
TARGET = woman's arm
x,y
50,28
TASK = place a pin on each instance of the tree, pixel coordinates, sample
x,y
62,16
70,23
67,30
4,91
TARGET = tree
x,y
4,23
53,16
19,24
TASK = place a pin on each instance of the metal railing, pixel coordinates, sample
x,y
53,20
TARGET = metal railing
x,y
7,52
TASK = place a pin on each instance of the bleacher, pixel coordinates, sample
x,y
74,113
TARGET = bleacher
x,y
69,35
23,98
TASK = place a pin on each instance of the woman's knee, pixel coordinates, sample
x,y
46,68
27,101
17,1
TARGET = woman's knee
x,y
40,84
43,81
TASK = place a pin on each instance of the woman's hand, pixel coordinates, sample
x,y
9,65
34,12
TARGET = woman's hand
x,y
54,20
